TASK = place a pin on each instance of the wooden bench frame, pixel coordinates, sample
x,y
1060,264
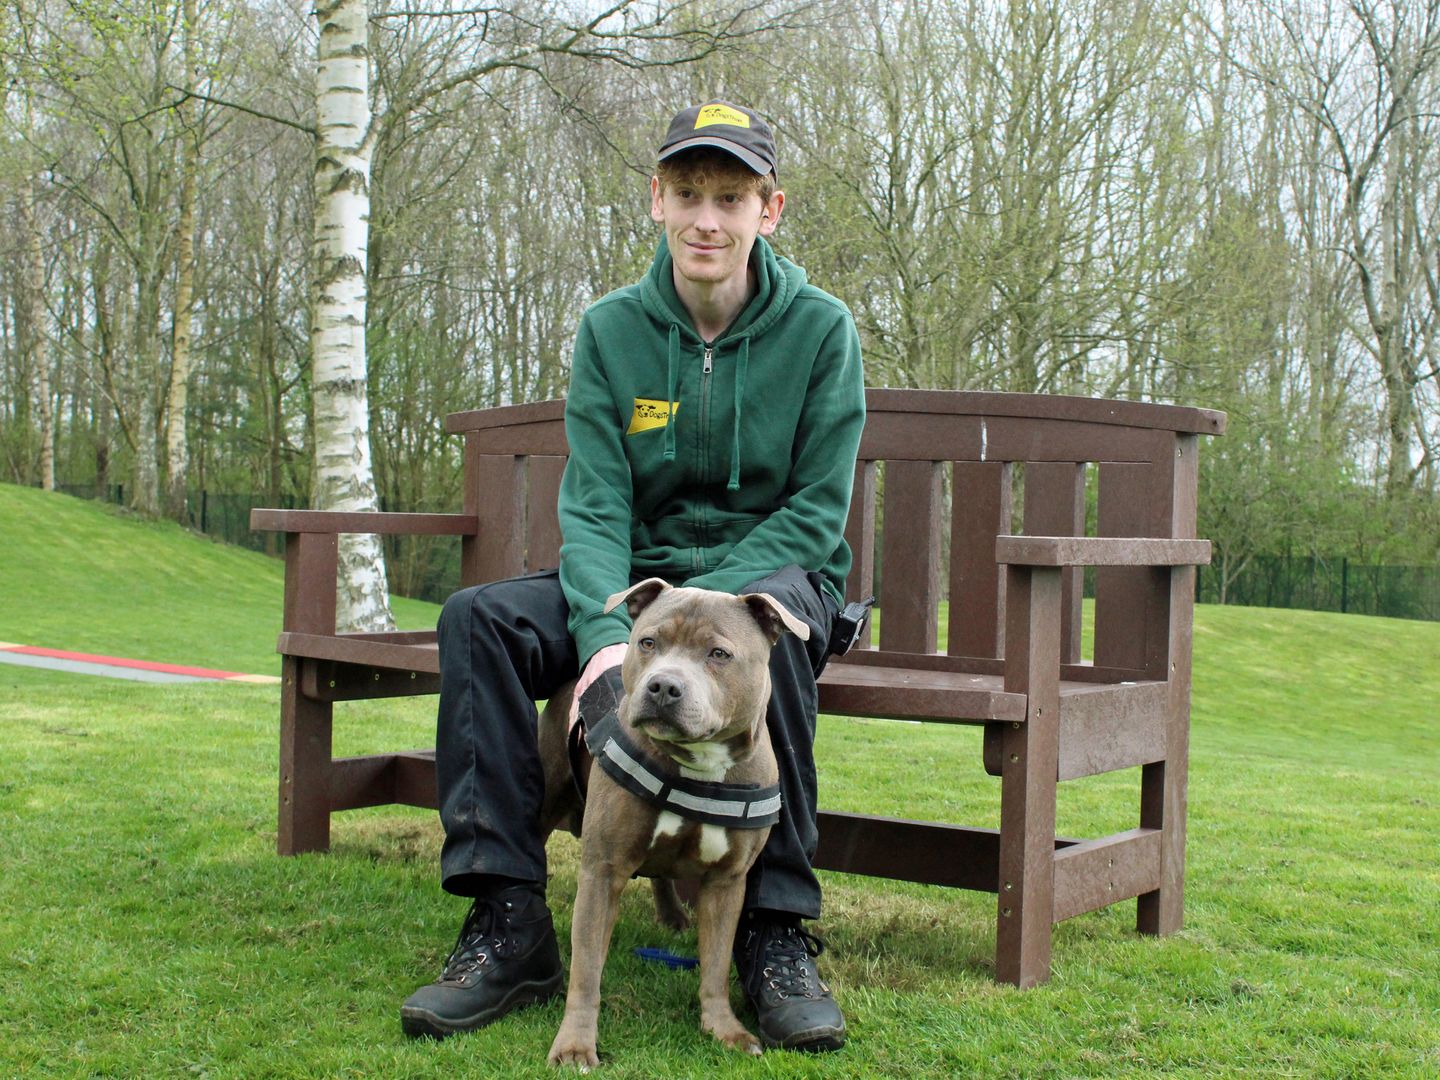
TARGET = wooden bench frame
x,y
1012,663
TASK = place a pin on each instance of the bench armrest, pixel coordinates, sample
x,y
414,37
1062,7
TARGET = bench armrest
x,y
334,521
1100,551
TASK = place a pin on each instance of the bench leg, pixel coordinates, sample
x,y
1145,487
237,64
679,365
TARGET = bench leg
x,y
1026,901
304,823
1162,806
1029,763
1163,784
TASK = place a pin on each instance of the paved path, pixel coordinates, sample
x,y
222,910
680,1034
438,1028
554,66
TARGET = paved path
x,y
116,667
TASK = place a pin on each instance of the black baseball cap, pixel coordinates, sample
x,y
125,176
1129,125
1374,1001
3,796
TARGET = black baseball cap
x,y
732,128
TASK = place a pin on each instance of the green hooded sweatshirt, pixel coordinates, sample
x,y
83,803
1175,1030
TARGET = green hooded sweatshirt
x,y
707,464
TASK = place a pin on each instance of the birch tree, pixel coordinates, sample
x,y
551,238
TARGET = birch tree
x,y
31,310
343,476
36,343
177,453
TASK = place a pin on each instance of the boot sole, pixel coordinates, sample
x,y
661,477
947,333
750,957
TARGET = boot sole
x,y
422,1023
816,1040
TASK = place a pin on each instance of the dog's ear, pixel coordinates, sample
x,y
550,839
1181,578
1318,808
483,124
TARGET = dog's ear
x,y
774,618
638,597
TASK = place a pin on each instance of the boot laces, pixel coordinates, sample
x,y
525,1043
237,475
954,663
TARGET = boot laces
x,y
782,958
484,938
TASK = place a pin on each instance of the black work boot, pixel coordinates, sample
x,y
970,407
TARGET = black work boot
x,y
506,957
793,1007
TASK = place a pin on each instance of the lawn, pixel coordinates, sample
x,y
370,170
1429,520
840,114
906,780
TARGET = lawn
x,y
150,930
90,577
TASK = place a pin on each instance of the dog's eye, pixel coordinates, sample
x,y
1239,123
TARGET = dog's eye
x,y
719,654
647,644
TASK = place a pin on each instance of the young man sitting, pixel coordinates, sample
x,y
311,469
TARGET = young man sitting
x,y
713,419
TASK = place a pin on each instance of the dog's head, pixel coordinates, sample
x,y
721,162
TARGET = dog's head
x,y
697,670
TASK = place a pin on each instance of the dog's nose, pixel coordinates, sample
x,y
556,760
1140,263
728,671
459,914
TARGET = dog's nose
x,y
664,690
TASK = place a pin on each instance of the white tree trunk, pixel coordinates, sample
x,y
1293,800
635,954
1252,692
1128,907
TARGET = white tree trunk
x,y
35,335
177,449
145,495
343,476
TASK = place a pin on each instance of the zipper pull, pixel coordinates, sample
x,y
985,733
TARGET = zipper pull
x,y
709,356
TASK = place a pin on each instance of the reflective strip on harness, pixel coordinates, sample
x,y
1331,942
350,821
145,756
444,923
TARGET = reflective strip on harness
x,y
765,807
647,780
707,806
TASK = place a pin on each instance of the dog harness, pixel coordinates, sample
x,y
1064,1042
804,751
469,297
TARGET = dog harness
x,y
735,806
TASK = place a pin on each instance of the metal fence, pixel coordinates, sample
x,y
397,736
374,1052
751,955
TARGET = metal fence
x,y
423,567
223,516
227,517
1328,584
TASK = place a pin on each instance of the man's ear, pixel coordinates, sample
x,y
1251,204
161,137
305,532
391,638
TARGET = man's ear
x,y
638,597
774,618
770,218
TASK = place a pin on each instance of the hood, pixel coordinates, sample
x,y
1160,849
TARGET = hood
x,y
777,282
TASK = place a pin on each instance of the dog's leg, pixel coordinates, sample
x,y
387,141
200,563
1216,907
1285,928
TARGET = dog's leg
x,y
597,902
719,910
668,908
562,808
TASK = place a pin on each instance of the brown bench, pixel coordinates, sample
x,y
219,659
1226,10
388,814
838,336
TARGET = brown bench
x,y
1012,661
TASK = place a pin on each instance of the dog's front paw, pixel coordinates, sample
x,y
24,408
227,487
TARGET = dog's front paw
x,y
576,1050
736,1036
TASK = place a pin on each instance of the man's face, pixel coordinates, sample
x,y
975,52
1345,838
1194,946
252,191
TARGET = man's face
x,y
711,223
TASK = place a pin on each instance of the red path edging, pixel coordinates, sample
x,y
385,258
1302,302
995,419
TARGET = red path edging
x,y
143,665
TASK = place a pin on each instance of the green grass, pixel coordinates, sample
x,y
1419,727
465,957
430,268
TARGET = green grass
x,y
150,930
91,577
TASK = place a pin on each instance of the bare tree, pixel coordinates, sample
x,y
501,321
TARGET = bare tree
x,y
1368,77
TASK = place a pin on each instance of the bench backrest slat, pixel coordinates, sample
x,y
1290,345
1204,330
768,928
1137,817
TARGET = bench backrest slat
x,y
514,499
860,535
981,492
542,524
1055,506
496,496
910,560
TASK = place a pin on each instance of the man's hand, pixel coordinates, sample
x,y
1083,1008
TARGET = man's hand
x,y
607,658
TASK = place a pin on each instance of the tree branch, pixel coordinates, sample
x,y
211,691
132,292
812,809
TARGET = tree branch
x,y
186,95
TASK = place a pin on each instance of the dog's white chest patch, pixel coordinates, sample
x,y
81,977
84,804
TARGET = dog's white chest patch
x,y
714,843
708,761
667,824
714,840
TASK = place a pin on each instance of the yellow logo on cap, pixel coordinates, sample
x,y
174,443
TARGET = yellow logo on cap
x,y
650,414
721,114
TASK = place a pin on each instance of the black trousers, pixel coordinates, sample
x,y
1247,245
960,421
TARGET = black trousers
x,y
505,645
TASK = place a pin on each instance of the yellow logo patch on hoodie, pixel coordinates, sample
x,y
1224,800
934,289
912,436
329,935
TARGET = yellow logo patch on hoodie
x,y
650,414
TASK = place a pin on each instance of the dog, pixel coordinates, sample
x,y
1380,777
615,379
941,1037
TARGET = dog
x,y
697,683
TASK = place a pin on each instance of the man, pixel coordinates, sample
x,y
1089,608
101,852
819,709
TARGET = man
x,y
713,419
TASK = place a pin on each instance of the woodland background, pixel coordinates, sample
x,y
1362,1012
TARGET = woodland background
x,y
1226,204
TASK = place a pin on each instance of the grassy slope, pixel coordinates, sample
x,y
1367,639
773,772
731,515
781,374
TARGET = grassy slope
x,y
89,577
151,931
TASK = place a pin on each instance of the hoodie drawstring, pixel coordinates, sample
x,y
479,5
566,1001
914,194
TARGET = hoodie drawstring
x,y
671,386
742,363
